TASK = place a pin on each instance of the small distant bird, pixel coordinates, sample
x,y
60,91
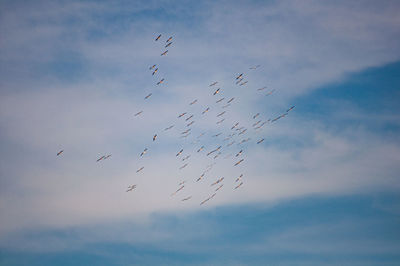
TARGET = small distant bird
x,y
161,81
220,100
181,115
261,140
152,67
140,169
101,158
231,100
205,111
159,36
217,91
164,53
148,96
254,116
188,198
168,44
138,113
58,153
241,160
130,188
238,77
154,137
179,153
241,183
143,152
195,101
170,38
213,84
155,71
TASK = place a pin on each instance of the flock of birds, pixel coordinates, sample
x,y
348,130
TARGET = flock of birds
x,y
236,133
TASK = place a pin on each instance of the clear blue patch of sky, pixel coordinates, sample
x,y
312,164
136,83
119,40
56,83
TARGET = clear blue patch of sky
x,y
231,233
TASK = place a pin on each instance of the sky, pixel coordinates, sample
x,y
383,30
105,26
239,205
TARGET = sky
x,y
323,188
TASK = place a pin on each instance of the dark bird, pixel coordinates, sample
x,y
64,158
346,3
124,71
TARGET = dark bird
x,y
168,44
168,128
220,100
213,84
138,113
170,38
195,101
238,162
164,53
205,111
143,152
148,96
154,137
140,169
179,153
130,188
231,100
241,183
101,158
155,71
238,77
254,116
181,115
161,81
188,198
158,37
217,91
58,153
261,140
152,67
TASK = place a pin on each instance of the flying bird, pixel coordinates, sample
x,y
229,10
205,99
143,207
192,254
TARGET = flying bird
x,y
231,100
164,53
138,113
201,148
101,158
168,128
188,198
152,67
217,91
239,178
58,153
161,81
243,83
154,137
263,88
140,169
255,67
240,152
191,123
220,121
179,189
189,117
254,116
235,125
270,92
238,162
148,96
226,105
239,80
218,188
179,153
181,115
213,84
170,38
195,101
205,111
238,77
131,187
221,113
143,152
183,166
241,183
168,44
290,109
261,140
220,100
155,71
158,37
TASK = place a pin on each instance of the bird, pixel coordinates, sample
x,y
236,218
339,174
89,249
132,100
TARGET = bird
x,y
148,96
58,153
168,44
138,113
170,38
154,137
241,160
217,91
179,153
161,81
158,37
131,187
140,169
238,77
213,84
164,53
155,71
261,140
143,152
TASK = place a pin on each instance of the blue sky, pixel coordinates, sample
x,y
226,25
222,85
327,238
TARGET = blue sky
x,y
322,189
